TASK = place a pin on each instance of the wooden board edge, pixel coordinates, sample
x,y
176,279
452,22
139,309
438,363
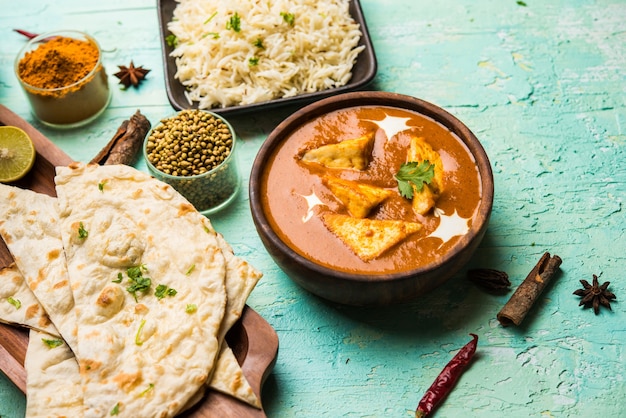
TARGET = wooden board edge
x,y
13,342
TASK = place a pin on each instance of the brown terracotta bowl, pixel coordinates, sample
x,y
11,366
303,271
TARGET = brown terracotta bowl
x,y
372,288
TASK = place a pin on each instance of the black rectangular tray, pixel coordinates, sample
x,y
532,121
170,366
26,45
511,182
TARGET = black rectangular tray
x,y
363,71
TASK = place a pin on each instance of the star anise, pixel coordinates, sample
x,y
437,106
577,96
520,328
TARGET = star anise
x,y
595,294
131,74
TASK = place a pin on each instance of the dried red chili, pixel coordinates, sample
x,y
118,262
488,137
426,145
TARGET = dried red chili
x,y
447,378
29,35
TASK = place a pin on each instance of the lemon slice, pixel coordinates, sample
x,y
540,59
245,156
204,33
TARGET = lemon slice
x,y
17,154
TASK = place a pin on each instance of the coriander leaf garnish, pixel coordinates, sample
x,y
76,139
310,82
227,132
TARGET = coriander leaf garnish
x,y
259,43
14,302
190,270
253,61
162,290
171,40
52,343
138,283
414,174
82,232
116,409
234,23
290,18
119,278
138,335
101,185
148,389
135,271
191,308
210,18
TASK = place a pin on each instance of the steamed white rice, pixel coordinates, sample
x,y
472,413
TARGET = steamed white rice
x,y
267,58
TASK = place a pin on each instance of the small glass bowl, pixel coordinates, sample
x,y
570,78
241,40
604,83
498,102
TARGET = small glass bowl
x,y
208,192
68,106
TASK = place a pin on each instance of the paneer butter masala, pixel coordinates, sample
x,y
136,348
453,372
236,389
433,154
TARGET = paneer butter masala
x,y
371,189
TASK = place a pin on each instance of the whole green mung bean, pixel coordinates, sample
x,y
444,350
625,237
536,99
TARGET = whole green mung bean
x,y
194,147
188,144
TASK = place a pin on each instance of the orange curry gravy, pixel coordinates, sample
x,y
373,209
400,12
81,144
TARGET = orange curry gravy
x,y
294,197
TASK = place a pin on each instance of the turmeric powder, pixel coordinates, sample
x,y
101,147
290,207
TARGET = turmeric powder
x,y
63,78
58,62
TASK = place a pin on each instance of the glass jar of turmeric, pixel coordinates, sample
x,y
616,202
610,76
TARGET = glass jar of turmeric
x,y
63,78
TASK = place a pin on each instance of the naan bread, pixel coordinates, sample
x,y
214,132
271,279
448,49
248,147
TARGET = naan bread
x,y
369,238
227,376
241,278
18,304
139,355
53,385
425,199
29,225
358,198
351,153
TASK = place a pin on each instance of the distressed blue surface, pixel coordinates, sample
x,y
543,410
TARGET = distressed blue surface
x,y
544,89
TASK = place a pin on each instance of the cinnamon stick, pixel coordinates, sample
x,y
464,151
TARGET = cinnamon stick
x,y
126,143
522,300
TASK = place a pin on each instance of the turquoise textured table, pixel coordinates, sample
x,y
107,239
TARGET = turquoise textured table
x,y
543,86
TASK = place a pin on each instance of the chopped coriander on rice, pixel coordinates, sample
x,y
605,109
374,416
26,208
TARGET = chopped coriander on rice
x,y
297,48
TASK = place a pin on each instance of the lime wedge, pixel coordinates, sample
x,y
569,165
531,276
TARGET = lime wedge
x,y
17,154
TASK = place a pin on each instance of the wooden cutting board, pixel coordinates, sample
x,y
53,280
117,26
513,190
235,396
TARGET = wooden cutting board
x,y
252,339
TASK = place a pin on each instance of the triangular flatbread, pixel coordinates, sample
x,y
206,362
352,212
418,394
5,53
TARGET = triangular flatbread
x,y
351,153
53,384
241,278
369,238
425,199
29,225
358,198
18,304
139,354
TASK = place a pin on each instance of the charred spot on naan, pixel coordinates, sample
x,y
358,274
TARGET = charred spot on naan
x,y
32,311
129,381
349,154
137,193
44,320
141,309
89,365
110,301
61,285
54,254
369,238
185,208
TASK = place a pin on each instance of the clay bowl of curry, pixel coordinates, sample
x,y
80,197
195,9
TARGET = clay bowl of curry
x,y
371,198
